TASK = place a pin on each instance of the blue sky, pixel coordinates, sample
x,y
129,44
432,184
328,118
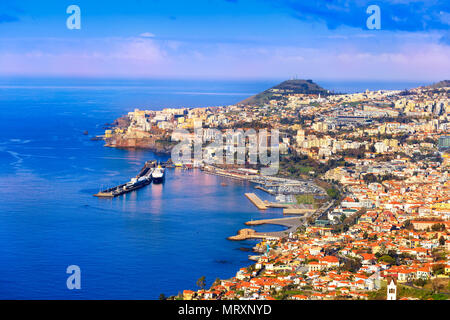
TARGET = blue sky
x,y
235,39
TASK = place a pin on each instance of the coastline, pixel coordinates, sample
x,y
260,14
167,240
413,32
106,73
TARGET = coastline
x,y
290,223
137,144
261,236
143,145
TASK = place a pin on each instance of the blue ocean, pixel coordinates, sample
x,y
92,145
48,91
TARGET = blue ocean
x,y
159,239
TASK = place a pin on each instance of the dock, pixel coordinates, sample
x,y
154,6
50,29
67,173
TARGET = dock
x,y
265,190
256,201
245,234
293,223
288,222
143,178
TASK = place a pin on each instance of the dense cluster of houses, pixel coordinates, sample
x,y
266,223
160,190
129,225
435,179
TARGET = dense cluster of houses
x,y
393,219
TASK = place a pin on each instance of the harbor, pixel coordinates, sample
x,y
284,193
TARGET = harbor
x,y
285,200
270,184
291,223
300,212
150,171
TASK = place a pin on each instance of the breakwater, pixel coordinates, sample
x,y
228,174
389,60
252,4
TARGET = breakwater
x,y
143,178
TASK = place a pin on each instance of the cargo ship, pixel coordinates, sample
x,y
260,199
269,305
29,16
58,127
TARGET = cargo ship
x,y
142,179
158,174
135,183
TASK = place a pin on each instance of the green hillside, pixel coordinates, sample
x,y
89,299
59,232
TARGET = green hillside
x,y
286,87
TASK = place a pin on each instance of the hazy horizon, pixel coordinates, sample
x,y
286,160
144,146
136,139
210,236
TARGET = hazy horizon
x,y
196,86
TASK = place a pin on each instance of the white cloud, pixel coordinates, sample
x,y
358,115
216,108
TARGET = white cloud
x,y
151,57
139,49
147,35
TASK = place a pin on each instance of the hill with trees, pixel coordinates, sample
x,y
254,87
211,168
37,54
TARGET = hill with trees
x,y
286,87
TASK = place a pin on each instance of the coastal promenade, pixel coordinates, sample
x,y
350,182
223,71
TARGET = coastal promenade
x,y
270,184
297,210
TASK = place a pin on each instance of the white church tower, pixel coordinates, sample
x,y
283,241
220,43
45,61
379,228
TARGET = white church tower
x,y
391,289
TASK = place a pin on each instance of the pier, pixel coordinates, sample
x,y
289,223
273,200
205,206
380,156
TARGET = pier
x,y
256,201
245,234
263,205
265,190
288,222
143,178
293,223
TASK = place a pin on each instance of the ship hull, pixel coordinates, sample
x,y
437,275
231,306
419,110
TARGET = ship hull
x,y
158,179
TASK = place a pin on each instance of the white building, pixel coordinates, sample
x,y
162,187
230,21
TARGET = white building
x,y
391,290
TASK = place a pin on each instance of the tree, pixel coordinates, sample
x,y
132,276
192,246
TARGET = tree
x,y
437,255
408,225
333,193
351,265
251,268
370,178
386,258
201,282
436,286
442,241
162,296
216,282
419,282
438,227
439,269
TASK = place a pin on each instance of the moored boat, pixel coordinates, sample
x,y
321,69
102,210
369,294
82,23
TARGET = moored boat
x,y
158,174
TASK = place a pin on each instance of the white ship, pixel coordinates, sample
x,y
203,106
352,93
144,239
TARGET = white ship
x,y
158,174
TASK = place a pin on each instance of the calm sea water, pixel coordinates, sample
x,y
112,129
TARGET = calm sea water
x,y
159,239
